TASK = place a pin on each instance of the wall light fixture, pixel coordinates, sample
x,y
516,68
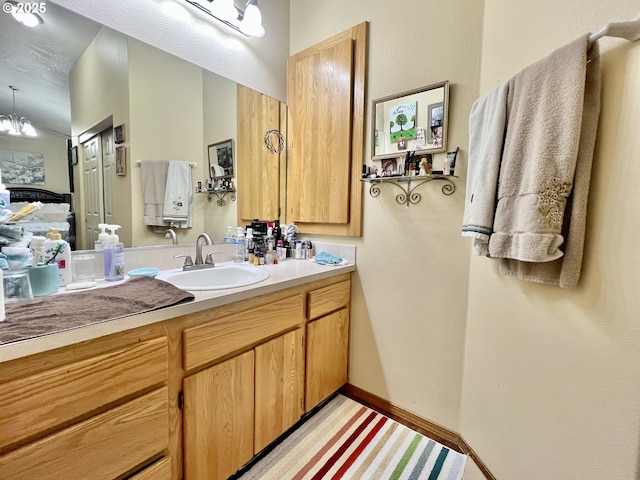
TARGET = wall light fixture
x,y
247,21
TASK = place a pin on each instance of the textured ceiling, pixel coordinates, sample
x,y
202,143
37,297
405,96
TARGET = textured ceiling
x,y
37,61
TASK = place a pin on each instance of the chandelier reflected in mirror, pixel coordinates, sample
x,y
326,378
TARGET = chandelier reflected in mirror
x,y
15,125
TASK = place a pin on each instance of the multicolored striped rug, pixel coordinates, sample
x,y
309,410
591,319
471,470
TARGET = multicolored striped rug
x,y
347,440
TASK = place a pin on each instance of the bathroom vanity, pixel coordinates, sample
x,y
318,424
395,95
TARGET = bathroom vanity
x,y
194,390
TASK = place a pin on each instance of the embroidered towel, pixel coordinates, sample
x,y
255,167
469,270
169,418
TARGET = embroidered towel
x,y
487,123
544,127
178,196
154,180
566,270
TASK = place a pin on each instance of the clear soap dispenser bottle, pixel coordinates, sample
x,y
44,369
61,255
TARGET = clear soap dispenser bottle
x,y
103,237
113,256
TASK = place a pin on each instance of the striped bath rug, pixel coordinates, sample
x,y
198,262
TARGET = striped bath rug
x,y
347,440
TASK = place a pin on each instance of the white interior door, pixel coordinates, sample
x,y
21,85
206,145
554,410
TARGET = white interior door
x,y
93,188
108,176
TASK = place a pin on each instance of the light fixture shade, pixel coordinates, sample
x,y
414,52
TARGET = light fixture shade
x,y
252,21
224,10
29,19
14,125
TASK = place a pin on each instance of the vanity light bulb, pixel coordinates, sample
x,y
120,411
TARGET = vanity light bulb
x,y
225,10
252,21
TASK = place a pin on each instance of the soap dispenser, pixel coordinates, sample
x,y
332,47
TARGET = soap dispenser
x,y
113,256
102,237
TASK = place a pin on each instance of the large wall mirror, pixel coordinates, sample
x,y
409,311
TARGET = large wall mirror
x,y
145,89
412,121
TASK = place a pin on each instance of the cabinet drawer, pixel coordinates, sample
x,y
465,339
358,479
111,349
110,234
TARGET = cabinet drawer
x,y
39,402
161,470
328,299
208,342
101,447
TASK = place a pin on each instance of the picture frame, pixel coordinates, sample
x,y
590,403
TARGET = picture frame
x,y
402,123
119,134
74,155
121,161
221,159
435,114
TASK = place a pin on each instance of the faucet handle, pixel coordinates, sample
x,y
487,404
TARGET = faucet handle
x,y
188,262
209,259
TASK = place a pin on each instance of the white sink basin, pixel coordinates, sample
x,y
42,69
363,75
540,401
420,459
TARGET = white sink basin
x,y
218,277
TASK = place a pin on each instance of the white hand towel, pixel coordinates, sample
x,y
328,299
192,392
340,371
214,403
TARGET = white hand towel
x,y
487,123
178,195
154,180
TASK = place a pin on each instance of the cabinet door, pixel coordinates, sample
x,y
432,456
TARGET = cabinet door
x,y
218,419
327,356
258,169
325,143
279,386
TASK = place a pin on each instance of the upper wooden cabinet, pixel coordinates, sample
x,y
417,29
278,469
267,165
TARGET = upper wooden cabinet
x,y
260,172
325,141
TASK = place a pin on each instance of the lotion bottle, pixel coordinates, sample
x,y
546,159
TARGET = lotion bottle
x,y
58,250
113,256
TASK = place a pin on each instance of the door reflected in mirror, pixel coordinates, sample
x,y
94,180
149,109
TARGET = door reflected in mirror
x,y
412,121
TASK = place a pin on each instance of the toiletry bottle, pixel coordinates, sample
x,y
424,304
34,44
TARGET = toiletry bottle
x,y
238,253
37,245
113,256
5,195
281,253
102,237
249,243
58,250
228,235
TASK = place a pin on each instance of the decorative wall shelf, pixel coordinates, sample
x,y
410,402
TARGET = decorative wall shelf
x,y
221,202
408,185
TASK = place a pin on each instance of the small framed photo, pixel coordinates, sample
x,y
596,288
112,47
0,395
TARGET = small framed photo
x,y
389,167
435,114
118,134
121,161
221,159
74,155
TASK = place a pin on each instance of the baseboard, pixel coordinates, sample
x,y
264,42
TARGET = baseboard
x,y
430,429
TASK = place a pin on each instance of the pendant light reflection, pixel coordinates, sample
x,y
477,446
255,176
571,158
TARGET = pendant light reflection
x,y
15,125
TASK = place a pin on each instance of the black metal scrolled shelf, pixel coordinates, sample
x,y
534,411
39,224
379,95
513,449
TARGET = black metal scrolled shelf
x,y
409,195
221,202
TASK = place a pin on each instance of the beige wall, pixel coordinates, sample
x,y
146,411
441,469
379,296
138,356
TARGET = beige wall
x,y
551,386
99,90
410,292
220,123
166,123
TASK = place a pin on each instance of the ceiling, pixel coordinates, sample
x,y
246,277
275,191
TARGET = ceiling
x,y
37,61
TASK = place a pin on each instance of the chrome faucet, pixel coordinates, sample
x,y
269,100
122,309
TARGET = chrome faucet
x,y
207,263
170,233
208,241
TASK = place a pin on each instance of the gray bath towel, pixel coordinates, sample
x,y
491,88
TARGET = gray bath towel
x,y
553,111
154,180
487,123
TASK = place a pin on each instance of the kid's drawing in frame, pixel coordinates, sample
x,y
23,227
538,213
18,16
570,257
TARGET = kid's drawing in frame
x,y
402,122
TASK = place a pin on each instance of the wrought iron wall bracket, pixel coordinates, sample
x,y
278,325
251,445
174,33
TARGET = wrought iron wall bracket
x,y
221,202
408,185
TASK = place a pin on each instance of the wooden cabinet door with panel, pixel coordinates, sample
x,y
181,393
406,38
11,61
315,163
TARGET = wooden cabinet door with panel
x,y
260,172
279,389
218,419
325,142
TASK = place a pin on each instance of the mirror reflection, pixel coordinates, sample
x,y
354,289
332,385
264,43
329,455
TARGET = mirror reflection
x,y
171,110
412,121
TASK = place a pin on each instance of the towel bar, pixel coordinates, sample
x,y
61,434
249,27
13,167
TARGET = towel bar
x,y
193,164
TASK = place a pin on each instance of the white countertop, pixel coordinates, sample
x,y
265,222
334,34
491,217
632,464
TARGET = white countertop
x,y
281,276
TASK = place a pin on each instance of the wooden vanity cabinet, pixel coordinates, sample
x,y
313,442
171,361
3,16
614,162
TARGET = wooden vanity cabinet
x,y
253,394
96,410
327,352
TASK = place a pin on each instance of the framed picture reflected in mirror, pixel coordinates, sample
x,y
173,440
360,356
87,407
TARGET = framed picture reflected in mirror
x,y
221,159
